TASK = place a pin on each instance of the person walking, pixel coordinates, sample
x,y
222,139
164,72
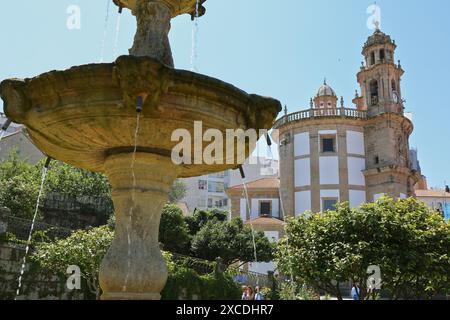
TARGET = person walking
x,y
244,293
250,294
258,294
355,291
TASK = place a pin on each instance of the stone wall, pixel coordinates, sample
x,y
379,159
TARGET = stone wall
x,y
36,284
76,212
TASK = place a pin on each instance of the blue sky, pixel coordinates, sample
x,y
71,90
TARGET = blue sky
x,y
281,48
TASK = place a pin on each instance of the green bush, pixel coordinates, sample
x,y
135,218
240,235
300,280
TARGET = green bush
x,y
187,284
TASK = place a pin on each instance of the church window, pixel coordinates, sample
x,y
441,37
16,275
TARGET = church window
x,y
374,92
382,55
393,85
329,204
328,144
372,58
377,160
265,208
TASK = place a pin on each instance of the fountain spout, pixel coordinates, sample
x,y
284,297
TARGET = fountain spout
x,y
6,124
47,163
139,104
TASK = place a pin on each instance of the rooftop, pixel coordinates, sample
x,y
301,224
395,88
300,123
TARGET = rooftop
x,y
264,183
432,193
265,221
320,113
325,90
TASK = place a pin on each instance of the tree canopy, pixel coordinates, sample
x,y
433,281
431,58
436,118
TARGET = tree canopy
x,y
173,230
20,183
408,241
84,249
232,241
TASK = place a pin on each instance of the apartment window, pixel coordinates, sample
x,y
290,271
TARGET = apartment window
x,y
201,203
210,202
328,144
329,203
216,187
265,208
202,184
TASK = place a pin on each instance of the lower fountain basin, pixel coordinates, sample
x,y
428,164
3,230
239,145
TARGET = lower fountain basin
x,y
87,113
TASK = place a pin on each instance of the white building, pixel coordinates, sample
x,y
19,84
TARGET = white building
x,y
209,191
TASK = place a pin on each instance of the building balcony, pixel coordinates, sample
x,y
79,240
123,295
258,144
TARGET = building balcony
x,y
320,113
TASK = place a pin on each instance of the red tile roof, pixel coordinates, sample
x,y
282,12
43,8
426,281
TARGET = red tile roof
x,y
264,183
265,221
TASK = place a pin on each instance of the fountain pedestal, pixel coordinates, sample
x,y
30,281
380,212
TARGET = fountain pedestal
x,y
134,267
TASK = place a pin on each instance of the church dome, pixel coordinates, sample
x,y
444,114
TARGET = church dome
x,y
325,90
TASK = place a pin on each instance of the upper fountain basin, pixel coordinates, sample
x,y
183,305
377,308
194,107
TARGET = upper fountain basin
x,y
85,114
177,7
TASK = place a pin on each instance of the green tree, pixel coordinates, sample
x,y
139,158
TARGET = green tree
x,y
201,217
20,183
66,179
173,230
19,186
177,192
232,241
84,249
407,240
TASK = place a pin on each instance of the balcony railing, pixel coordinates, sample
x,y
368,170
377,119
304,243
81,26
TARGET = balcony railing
x,y
321,113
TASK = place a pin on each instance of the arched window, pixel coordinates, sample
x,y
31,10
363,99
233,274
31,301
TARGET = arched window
x,y
394,86
373,92
382,55
372,58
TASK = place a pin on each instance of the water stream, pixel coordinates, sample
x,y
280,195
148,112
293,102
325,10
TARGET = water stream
x,y
283,213
133,200
251,222
105,31
27,249
195,39
2,135
116,38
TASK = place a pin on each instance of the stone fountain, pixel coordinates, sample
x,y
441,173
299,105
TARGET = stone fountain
x,y
86,116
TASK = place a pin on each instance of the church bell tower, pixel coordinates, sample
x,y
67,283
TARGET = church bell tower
x,y
387,130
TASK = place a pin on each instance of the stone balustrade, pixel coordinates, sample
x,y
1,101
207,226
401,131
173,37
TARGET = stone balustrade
x,y
320,113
